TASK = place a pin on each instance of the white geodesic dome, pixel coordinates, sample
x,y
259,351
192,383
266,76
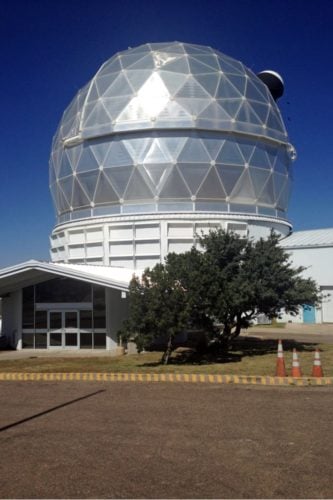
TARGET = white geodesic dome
x,y
171,127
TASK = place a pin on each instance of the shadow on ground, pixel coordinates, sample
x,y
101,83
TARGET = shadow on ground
x,y
241,347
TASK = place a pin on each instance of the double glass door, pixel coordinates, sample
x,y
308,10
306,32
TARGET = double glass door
x,y
63,329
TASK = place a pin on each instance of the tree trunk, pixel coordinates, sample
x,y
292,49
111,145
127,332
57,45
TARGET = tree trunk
x,y
167,352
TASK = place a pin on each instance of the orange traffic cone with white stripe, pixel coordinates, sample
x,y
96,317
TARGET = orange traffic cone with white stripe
x,y
317,370
280,366
296,368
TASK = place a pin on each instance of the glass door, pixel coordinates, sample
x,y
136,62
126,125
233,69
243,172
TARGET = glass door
x,y
63,329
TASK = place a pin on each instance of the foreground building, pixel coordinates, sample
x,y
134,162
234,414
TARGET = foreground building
x,y
166,142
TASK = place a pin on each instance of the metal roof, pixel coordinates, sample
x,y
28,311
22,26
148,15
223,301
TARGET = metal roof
x,y
310,238
33,271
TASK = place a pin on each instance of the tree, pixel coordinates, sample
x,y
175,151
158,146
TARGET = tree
x,y
221,287
159,308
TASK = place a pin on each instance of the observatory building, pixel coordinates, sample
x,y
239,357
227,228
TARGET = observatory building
x,y
166,142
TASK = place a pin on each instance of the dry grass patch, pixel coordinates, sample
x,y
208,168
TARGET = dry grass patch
x,y
248,357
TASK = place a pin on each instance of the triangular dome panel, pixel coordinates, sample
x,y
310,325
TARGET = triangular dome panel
x,y
193,174
259,178
229,175
119,178
211,187
243,192
80,199
174,187
137,188
88,181
104,192
230,154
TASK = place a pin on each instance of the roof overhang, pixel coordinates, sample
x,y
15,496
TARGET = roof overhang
x,y
32,272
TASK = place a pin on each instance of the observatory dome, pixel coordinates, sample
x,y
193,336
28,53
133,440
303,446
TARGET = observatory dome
x,y
171,127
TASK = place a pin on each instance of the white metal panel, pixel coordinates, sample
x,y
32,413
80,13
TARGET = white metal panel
x,y
180,246
94,250
121,232
147,248
327,305
180,230
76,236
121,248
94,234
147,231
76,252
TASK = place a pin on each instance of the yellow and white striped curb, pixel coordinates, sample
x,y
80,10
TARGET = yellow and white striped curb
x,y
167,377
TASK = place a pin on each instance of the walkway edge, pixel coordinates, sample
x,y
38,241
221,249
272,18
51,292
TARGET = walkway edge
x,y
167,377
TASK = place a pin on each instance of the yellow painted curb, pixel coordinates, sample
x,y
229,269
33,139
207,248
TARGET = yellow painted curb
x,y
167,377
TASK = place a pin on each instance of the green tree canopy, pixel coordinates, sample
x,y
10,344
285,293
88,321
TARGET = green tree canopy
x,y
221,287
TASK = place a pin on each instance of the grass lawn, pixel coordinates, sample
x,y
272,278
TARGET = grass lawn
x,y
248,357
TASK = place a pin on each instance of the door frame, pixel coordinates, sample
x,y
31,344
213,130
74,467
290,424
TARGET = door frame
x,y
63,329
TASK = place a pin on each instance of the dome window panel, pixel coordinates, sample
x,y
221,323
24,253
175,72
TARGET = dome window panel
x,y
109,67
238,82
62,202
259,159
65,167
174,186
246,148
119,178
103,83
243,191
179,65
114,106
104,192
80,198
271,153
157,154
87,160
253,92
260,109
127,59
197,66
209,60
155,174
173,81
88,181
229,175
267,194
215,114
209,82
194,151
119,88
137,147
230,106
279,182
117,155
230,154
211,187
145,62
137,188
74,154
247,115
274,122
227,90
194,107
98,116
193,175
192,89
212,145
137,78
283,200
259,178
67,188
100,149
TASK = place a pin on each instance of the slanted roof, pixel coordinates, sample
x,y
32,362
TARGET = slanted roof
x,y
33,271
310,238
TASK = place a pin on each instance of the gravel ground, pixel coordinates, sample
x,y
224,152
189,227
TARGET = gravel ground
x,y
123,440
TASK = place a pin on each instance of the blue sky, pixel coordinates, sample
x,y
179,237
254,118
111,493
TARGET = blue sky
x,y
49,49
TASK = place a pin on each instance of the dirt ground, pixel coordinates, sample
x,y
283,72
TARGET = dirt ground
x,y
123,440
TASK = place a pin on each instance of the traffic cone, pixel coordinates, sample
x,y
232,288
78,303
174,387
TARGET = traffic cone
x,y
280,366
317,370
295,369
